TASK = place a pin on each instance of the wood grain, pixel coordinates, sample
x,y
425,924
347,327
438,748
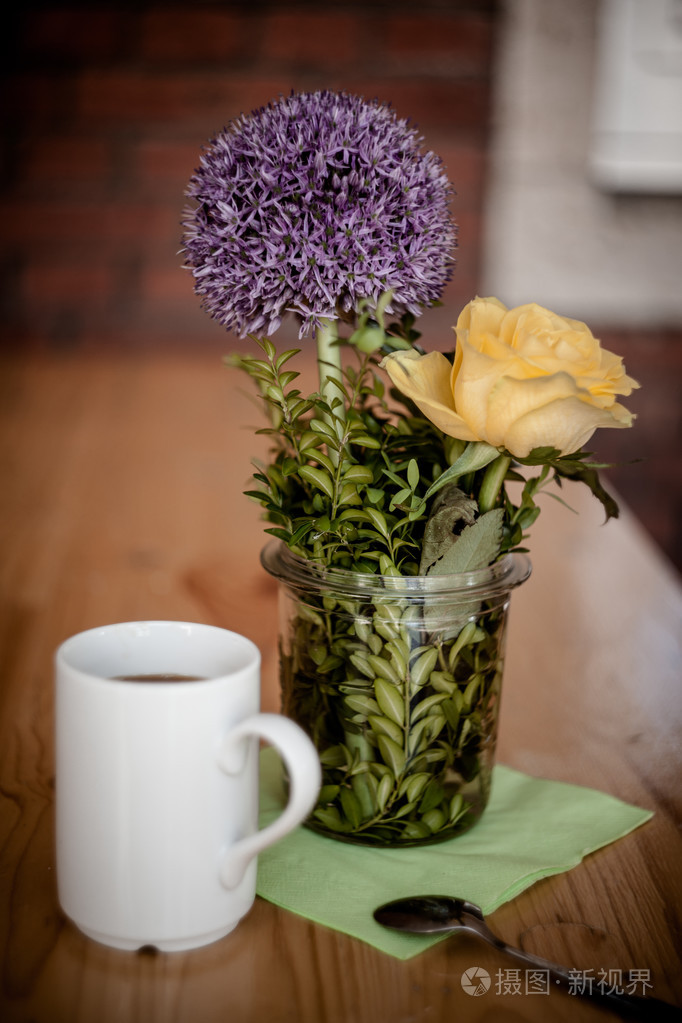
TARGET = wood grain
x,y
121,500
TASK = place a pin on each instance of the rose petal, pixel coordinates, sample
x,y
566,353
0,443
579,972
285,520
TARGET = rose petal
x,y
478,374
426,380
480,321
570,422
482,316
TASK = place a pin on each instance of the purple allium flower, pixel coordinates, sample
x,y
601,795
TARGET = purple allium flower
x,y
312,205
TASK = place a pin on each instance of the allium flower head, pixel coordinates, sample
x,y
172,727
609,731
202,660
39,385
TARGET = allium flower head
x,y
312,205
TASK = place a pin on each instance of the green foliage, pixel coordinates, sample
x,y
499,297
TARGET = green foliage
x,y
356,483
346,482
404,716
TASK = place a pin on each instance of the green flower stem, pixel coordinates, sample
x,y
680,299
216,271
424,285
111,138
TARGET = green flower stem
x,y
330,373
329,363
492,482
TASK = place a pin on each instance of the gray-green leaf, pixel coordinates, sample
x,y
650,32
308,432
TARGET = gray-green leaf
x,y
476,547
452,506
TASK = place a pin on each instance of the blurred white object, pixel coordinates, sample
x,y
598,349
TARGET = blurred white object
x,y
636,143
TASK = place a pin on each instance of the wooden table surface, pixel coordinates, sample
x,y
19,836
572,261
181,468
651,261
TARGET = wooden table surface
x,y
121,499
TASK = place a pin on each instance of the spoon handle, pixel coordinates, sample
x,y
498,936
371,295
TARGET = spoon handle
x,y
631,1005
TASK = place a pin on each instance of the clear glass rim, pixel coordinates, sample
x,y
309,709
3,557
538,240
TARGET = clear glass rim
x,y
500,577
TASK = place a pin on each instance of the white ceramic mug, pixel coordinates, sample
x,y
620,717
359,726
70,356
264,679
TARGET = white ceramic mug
x,y
157,782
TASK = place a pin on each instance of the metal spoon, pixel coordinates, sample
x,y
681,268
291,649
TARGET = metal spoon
x,y
440,914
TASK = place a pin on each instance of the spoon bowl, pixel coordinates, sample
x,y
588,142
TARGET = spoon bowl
x,y
430,914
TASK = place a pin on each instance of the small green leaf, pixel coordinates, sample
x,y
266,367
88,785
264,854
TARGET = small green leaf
x,y
319,479
423,666
320,426
434,819
368,339
309,439
365,441
378,520
417,738
433,796
387,632
365,788
476,455
323,460
392,754
436,723
358,474
404,810
349,494
301,532
427,705
389,612
457,807
415,786
469,634
540,455
268,347
442,682
362,629
398,499
384,301
451,711
285,356
362,664
334,756
390,700
385,726
470,691
362,704
590,477
331,818
432,756
415,831
400,653
375,644
386,786
382,667
281,534
318,652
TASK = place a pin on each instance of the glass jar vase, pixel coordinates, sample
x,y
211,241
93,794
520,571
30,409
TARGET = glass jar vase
x,y
397,682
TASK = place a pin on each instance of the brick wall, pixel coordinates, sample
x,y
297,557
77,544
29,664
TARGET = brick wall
x,y
105,108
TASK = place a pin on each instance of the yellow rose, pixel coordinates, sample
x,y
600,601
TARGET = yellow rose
x,y
522,378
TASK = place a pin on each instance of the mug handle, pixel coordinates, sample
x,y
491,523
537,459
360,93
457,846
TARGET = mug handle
x,y
303,766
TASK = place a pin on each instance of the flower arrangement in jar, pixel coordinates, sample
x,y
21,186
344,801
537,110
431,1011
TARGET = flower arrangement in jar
x,y
397,538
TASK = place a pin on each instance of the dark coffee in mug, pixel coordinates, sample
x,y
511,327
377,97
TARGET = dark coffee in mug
x,y
162,677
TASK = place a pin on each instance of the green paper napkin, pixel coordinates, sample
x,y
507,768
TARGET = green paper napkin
x,y
531,829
